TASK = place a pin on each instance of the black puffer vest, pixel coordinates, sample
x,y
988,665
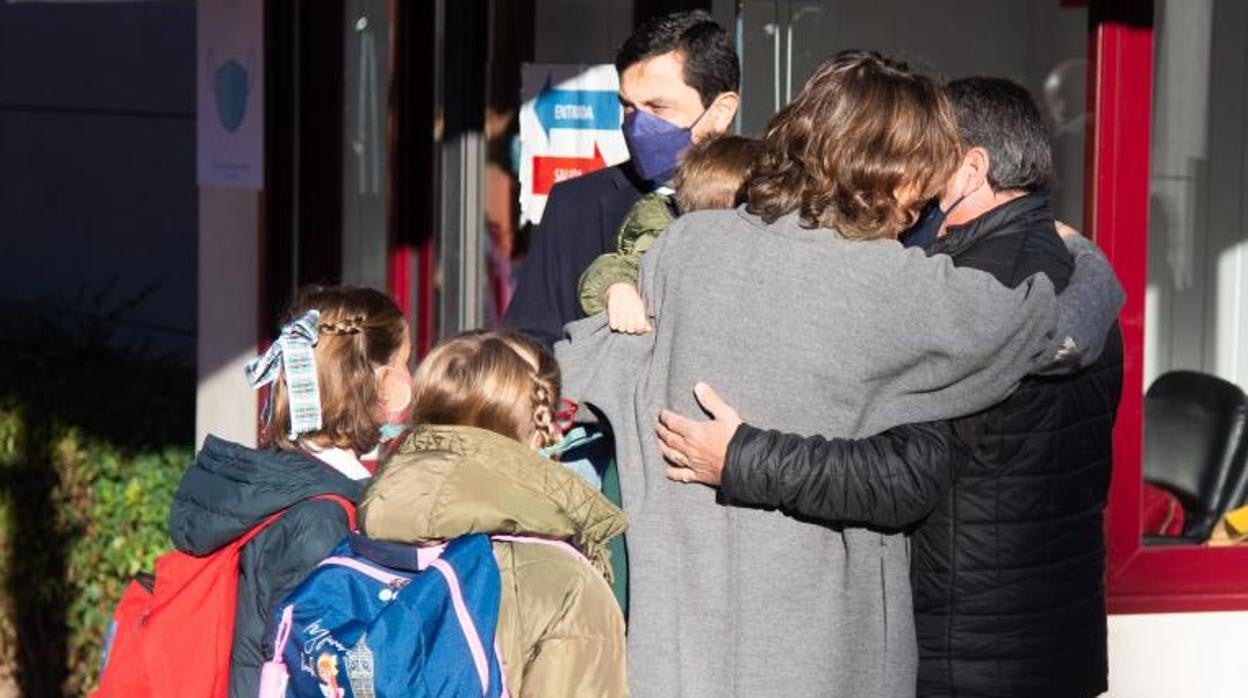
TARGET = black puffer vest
x,y
1009,569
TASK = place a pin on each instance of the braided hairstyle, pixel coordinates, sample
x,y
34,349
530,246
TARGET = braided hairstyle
x,y
496,380
546,384
360,329
343,326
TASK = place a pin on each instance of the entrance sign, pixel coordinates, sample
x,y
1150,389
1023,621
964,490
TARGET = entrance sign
x,y
569,126
230,93
592,110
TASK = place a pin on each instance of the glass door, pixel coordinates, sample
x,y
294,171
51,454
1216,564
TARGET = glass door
x,y
1039,43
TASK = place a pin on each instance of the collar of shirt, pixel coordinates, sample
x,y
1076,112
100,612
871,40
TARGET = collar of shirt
x,y
339,459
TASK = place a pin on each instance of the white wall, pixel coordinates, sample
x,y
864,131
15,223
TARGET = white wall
x,y
229,244
1178,655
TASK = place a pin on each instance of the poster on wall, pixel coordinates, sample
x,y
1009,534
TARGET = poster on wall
x,y
569,126
230,93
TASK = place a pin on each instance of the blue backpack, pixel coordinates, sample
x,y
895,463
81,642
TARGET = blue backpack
x,y
383,620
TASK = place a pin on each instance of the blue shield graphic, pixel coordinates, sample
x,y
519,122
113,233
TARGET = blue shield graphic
x,y
231,89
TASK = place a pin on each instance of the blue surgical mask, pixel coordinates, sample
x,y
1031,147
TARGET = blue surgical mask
x,y
655,144
925,230
390,432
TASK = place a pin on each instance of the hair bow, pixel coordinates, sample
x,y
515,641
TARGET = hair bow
x,y
292,354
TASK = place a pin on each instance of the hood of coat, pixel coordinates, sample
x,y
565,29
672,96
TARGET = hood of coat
x,y
231,488
450,481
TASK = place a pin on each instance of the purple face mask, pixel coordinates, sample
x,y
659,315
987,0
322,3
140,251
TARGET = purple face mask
x,y
654,144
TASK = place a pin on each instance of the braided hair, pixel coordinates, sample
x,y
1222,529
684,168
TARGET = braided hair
x,y
343,326
545,378
360,329
496,380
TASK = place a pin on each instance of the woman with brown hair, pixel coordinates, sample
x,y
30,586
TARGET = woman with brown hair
x,y
483,405
803,310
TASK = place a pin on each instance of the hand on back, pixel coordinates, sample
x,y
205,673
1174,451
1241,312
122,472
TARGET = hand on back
x,y
697,450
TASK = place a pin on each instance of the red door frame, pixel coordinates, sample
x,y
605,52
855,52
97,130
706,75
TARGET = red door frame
x,y
1139,579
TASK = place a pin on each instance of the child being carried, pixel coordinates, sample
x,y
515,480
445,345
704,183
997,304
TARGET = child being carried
x,y
712,175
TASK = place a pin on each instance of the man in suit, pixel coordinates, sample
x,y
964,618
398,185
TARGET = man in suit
x,y
679,76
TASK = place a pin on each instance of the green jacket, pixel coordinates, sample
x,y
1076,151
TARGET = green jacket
x,y
560,631
641,227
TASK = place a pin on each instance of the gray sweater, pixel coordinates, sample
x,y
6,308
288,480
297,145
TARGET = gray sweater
x,y
823,335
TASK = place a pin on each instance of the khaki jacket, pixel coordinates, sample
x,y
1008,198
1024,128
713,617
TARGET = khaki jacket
x,y
560,631
643,225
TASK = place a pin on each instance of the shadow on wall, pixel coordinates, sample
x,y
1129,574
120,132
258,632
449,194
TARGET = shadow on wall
x,y
74,409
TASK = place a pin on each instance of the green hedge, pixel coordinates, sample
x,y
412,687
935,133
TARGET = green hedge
x,y
115,509
10,448
93,440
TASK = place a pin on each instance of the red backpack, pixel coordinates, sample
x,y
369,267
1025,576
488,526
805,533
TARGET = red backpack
x,y
172,632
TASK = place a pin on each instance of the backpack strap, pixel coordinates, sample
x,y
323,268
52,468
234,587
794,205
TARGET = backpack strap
x,y
274,676
283,632
466,624
562,545
348,507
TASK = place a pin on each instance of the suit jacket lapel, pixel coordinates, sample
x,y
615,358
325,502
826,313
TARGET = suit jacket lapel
x,y
613,207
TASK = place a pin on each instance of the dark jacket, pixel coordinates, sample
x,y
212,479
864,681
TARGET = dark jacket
x,y
580,223
1008,567
230,489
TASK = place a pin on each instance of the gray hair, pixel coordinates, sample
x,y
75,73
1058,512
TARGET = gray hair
x,y
1000,116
